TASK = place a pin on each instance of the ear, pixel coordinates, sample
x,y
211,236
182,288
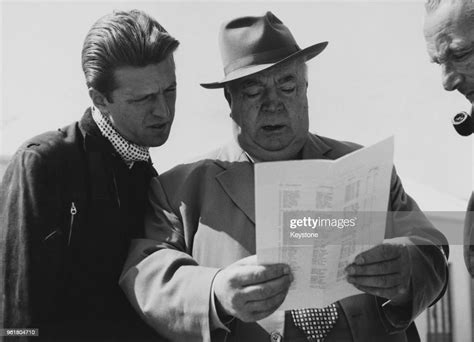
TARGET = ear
x,y
98,99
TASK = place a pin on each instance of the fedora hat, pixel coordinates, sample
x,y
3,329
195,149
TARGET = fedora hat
x,y
251,44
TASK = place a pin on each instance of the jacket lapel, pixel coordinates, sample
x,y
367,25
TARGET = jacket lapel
x,y
237,179
238,183
315,148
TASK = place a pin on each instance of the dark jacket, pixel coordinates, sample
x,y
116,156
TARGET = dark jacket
x,y
68,208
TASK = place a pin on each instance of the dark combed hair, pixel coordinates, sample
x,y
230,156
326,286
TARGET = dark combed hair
x,y
123,38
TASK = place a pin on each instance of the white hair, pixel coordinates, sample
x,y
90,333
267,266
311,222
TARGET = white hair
x,y
432,5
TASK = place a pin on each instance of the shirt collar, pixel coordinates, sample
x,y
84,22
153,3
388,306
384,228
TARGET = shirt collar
x,y
128,151
251,159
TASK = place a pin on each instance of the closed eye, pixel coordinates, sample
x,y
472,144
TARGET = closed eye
x,y
252,91
252,95
288,89
462,55
143,99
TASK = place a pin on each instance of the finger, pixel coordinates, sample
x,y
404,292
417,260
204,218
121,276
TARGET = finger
x,y
379,268
255,274
250,260
384,282
269,304
390,293
267,289
382,252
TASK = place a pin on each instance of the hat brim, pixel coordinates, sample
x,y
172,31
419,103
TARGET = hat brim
x,y
307,53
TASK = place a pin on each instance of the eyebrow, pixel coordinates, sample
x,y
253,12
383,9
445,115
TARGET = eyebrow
x,y
250,83
287,78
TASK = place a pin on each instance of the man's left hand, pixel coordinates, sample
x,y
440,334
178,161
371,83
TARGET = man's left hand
x,y
384,271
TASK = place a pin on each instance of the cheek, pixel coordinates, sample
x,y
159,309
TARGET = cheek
x,y
465,67
245,113
469,68
298,105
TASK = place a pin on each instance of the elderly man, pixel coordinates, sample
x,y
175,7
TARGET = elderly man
x,y
72,199
196,277
449,34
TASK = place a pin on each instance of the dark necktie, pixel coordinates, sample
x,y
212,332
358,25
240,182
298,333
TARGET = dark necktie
x,y
315,323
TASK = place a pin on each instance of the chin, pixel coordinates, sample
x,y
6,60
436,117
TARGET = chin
x,y
287,153
159,140
157,143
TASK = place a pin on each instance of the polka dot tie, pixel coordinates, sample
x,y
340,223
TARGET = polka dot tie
x,y
129,151
315,323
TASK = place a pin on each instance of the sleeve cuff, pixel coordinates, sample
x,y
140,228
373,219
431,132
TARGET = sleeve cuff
x,y
216,322
395,318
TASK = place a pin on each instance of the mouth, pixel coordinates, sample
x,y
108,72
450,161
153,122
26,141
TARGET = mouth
x,y
160,126
272,128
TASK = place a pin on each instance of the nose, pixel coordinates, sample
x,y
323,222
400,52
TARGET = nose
x,y
271,101
451,78
161,107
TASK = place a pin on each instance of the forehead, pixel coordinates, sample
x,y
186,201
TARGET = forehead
x,y
449,26
132,80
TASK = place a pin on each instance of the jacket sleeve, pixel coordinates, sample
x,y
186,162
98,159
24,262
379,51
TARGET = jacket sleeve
x,y
162,281
469,237
428,252
25,196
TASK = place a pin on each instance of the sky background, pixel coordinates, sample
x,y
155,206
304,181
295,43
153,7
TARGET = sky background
x,y
373,80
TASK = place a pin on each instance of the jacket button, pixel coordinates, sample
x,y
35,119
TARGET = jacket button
x,y
275,337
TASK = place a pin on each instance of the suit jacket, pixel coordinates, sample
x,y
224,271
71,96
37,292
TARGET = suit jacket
x,y
203,219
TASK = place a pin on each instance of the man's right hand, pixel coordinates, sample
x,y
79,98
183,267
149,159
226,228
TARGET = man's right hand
x,y
249,291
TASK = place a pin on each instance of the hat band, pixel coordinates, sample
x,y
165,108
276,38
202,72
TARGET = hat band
x,y
266,57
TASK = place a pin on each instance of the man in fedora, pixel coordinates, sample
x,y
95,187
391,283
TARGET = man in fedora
x,y
195,277
449,34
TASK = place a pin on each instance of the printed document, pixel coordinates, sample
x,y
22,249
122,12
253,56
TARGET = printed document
x,y
318,215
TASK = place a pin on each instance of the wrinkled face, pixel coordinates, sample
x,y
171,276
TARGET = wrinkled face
x,y
270,110
449,34
141,108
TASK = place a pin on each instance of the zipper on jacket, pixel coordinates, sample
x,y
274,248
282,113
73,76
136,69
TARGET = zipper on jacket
x,y
117,195
73,213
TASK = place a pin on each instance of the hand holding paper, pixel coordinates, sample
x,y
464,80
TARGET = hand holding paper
x,y
384,271
249,291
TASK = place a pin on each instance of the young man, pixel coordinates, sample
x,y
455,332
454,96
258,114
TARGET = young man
x,y
72,199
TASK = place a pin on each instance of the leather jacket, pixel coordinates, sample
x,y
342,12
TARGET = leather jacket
x,y
68,209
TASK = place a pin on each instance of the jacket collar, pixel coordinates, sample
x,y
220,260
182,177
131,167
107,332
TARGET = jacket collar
x,y
94,141
237,177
